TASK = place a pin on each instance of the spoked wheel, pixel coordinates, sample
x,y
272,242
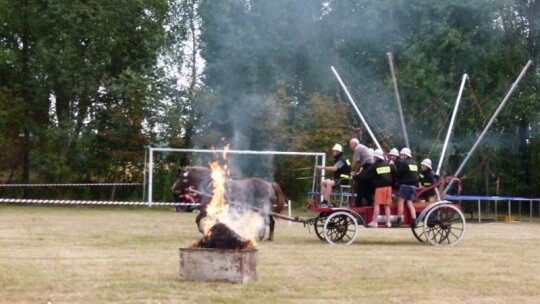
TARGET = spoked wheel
x,y
444,225
420,232
340,228
319,225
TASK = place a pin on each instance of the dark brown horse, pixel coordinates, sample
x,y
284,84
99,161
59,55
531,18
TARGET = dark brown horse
x,y
250,193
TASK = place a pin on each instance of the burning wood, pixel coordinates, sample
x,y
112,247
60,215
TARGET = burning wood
x,y
228,224
220,236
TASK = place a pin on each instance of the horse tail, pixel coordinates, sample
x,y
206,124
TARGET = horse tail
x,y
280,198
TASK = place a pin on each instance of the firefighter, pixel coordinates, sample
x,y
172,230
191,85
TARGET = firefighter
x,y
341,171
427,178
380,174
393,157
407,174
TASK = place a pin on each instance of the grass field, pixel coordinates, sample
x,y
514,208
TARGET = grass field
x,y
52,254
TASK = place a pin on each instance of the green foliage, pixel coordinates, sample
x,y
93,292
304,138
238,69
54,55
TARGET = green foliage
x,y
100,81
69,63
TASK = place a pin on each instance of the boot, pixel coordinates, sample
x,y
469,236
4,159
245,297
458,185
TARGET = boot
x,y
397,224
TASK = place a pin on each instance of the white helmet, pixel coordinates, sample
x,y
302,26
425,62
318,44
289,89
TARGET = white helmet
x,y
426,162
394,152
406,151
337,147
379,154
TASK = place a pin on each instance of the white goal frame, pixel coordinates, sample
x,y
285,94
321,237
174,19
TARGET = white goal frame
x,y
318,156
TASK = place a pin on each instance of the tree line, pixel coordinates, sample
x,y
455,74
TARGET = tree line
x,y
87,86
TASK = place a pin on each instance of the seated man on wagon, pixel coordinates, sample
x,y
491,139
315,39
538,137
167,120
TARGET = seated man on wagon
x,y
341,171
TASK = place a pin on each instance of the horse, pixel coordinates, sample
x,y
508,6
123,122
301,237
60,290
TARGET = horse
x,y
249,193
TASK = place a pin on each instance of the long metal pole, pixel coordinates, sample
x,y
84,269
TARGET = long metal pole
x,y
398,100
356,108
451,126
512,89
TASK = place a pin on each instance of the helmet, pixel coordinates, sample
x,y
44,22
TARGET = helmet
x,y
426,162
337,147
379,154
406,151
394,152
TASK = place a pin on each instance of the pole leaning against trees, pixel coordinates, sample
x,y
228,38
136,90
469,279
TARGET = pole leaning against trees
x,y
398,100
451,125
512,89
356,108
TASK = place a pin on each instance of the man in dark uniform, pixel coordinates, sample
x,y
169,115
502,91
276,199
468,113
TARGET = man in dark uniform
x,y
380,173
427,179
341,171
407,174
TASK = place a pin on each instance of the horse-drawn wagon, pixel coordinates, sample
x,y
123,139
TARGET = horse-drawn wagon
x,y
440,224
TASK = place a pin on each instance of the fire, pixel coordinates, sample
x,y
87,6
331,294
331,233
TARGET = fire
x,y
248,225
242,222
217,205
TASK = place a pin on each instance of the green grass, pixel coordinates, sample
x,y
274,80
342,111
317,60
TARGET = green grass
x,y
116,255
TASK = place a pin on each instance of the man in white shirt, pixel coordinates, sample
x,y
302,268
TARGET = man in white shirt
x,y
362,158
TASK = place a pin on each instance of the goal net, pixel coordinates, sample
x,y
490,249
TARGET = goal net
x,y
293,171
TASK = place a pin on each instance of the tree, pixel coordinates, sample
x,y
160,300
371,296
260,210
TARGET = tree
x,y
76,61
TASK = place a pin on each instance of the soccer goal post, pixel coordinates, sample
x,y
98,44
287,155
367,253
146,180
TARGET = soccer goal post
x,y
319,158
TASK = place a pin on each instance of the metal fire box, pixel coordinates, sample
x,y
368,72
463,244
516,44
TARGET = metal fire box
x,y
228,265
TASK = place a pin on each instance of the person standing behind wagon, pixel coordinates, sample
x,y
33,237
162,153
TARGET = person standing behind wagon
x,y
362,159
380,173
393,157
407,174
427,179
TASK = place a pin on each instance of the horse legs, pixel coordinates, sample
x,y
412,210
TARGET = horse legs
x,y
200,216
271,225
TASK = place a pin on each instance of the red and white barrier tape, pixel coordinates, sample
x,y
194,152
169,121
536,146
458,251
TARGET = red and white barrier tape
x,y
81,202
70,185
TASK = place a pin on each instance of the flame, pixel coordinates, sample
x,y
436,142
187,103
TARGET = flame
x,y
217,205
245,223
249,226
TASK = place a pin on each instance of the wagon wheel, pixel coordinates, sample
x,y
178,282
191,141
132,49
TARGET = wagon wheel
x,y
319,225
419,232
444,225
340,227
